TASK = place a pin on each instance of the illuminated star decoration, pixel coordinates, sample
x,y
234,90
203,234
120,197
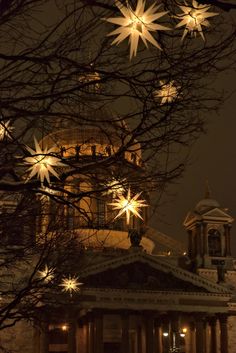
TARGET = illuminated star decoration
x,y
70,284
194,17
114,187
168,92
42,162
128,205
5,129
136,24
47,274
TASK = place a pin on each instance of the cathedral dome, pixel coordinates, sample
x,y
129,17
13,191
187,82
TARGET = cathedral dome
x,y
206,204
101,135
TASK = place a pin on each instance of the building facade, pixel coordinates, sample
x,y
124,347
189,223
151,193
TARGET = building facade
x,y
134,299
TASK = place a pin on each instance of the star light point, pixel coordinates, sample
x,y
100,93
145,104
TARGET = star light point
x,y
128,205
137,24
168,92
47,274
193,18
42,162
70,284
5,129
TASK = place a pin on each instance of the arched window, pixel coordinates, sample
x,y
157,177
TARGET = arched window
x,y
214,242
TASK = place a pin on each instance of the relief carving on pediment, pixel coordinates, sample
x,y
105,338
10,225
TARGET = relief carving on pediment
x,y
139,276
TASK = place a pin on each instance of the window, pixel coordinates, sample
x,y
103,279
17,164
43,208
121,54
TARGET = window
x,y
214,242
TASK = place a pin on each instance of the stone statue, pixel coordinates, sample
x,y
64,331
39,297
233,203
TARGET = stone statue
x,y
135,237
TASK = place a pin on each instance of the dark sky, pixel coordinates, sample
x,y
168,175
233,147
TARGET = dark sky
x,y
213,157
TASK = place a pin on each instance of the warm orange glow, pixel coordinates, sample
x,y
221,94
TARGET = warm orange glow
x,y
168,92
5,129
129,205
42,162
136,24
194,17
70,284
185,330
64,327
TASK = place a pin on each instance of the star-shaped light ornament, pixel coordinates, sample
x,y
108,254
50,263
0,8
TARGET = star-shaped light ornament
x,y
168,92
128,205
193,18
70,284
137,24
42,162
47,274
5,129
114,187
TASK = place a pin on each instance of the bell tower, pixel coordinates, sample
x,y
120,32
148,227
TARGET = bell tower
x,y
209,238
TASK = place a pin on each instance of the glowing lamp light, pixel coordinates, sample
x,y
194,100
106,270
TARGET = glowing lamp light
x,y
128,205
165,334
193,18
47,274
185,330
136,24
64,327
70,284
182,334
5,130
168,92
42,162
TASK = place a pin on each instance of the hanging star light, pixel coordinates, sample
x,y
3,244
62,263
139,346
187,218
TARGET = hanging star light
x,y
136,24
42,162
47,274
194,17
114,187
168,92
70,284
5,130
128,205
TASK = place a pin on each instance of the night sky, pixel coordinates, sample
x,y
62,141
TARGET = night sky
x,y
213,158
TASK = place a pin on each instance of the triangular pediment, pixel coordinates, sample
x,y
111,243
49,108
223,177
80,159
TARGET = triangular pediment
x,y
218,213
138,270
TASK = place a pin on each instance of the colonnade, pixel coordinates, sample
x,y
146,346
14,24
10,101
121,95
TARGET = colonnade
x,y
87,335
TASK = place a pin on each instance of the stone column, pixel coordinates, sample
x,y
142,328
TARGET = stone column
x,y
192,337
198,239
223,334
158,337
200,334
227,239
213,341
205,239
125,333
175,341
139,338
91,335
98,332
149,328
36,340
72,335
44,337
190,243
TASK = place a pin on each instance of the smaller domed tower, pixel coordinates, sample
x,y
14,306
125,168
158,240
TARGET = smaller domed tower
x,y
208,228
